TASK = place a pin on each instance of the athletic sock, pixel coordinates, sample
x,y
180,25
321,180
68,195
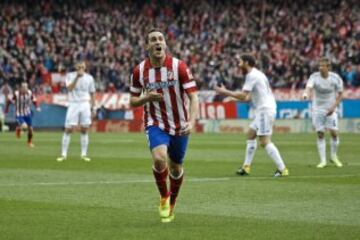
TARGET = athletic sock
x,y
65,144
84,139
274,154
251,146
334,143
160,178
321,145
175,185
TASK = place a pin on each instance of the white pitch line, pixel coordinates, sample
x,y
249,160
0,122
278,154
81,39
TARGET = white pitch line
x,y
151,180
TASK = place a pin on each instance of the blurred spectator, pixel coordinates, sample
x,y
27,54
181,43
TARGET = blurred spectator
x,y
287,37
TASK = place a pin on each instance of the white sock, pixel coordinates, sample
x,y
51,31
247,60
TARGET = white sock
x,y
334,143
250,151
65,144
321,144
274,154
84,139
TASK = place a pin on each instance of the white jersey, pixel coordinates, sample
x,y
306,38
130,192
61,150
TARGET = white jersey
x,y
83,88
257,84
325,90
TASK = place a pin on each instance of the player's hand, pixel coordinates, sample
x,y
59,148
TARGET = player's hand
x,y
305,96
153,96
331,111
189,128
220,89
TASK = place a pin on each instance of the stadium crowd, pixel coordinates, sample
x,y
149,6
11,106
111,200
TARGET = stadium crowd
x,y
40,38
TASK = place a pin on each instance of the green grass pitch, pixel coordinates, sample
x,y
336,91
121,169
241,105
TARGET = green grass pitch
x,y
114,195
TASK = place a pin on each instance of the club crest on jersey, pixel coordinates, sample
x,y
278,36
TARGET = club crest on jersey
x,y
160,85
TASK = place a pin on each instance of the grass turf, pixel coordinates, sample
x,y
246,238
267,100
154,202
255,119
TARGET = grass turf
x,y
114,196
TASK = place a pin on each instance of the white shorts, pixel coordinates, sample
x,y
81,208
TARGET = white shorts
x,y
321,122
263,123
78,113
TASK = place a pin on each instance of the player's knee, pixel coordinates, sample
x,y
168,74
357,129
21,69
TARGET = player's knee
x,y
159,165
176,171
68,130
24,126
320,135
264,141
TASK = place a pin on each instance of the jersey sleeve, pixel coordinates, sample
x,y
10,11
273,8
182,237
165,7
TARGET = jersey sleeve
x,y
135,85
249,84
310,83
186,78
339,87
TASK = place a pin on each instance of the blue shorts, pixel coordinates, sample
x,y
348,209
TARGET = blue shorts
x,y
176,144
24,119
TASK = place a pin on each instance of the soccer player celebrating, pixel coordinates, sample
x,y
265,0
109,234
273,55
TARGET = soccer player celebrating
x,y
328,88
81,89
257,89
163,84
22,99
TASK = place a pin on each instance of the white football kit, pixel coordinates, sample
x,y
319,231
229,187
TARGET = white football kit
x,y
325,92
79,110
262,100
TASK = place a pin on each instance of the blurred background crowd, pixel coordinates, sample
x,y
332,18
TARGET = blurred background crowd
x,y
40,40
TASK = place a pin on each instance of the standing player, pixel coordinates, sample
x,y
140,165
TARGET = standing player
x,y
22,99
166,84
328,88
257,88
81,96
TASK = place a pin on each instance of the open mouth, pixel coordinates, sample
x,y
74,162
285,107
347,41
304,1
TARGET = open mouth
x,y
158,49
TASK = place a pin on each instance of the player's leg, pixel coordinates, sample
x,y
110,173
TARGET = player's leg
x,y
84,141
158,142
319,125
71,120
176,151
332,125
85,122
265,128
251,146
28,122
20,122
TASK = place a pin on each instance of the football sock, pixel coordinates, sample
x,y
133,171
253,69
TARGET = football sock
x,y
321,145
84,139
160,178
274,154
18,132
334,143
251,146
175,184
30,136
65,144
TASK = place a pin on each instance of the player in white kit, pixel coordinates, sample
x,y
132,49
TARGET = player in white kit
x,y
328,88
81,89
257,89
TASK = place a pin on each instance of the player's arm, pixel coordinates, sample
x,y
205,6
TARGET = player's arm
x,y
239,95
339,97
149,96
9,101
35,102
308,89
136,99
194,110
307,93
73,83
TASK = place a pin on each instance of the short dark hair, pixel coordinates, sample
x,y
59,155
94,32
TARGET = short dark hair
x,y
154,29
249,58
325,60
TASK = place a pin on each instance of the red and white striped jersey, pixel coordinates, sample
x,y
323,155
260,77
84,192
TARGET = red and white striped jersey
x,y
23,102
174,80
